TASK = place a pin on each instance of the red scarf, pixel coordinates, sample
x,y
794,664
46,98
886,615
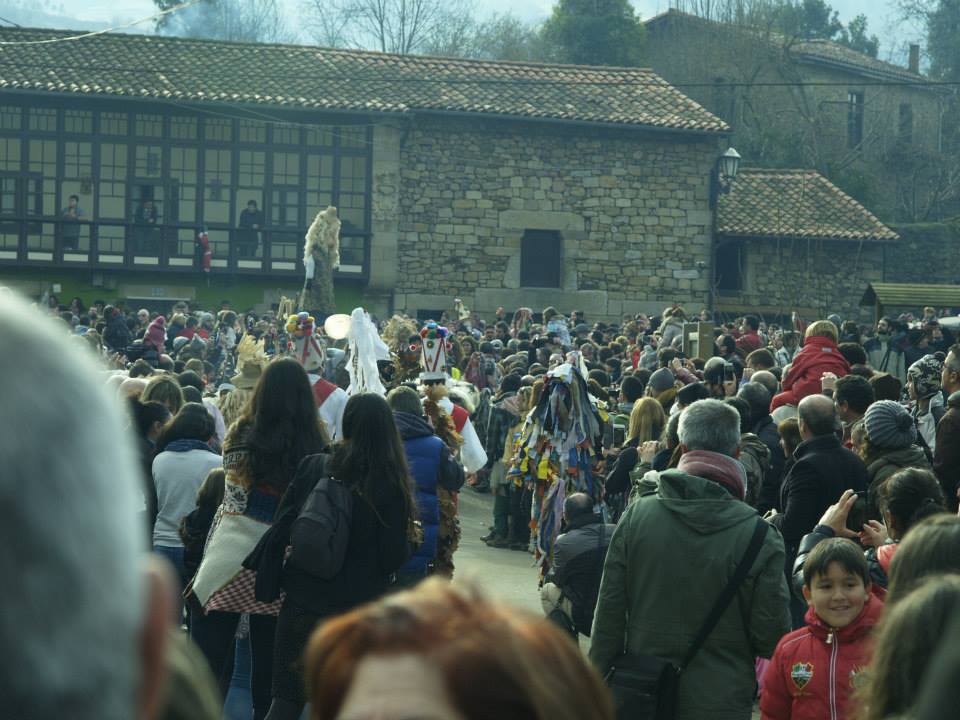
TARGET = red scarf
x,y
717,467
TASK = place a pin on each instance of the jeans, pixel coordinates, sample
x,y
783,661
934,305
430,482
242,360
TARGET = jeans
x,y
174,556
214,633
239,702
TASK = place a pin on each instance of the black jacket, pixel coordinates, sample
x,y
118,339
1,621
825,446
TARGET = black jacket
x,y
878,576
822,470
946,459
578,557
766,430
618,479
377,548
117,335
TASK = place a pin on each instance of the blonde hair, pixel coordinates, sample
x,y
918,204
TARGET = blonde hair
x,y
233,404
647,420
822,328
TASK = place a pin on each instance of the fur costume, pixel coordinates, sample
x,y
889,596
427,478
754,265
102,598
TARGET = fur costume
x,y
449,534
321,254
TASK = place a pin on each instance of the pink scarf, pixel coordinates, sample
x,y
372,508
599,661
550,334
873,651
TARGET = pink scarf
x,y
717,467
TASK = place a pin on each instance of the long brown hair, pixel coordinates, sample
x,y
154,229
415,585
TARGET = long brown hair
x,y
282,423
932,547
908,638
530,670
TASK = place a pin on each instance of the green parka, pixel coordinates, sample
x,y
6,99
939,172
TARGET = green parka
x,y
669,558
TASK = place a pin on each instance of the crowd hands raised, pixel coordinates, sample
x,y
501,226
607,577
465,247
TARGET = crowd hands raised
x,y
637,478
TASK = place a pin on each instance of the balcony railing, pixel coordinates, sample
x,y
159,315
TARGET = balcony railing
x,y
119,245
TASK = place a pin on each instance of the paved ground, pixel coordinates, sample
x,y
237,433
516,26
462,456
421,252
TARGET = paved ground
x,y
508,575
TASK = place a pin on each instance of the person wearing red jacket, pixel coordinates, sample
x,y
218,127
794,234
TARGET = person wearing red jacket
x,y
815,670
818,355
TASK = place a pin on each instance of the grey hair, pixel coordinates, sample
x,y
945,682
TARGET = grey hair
x,y
710,425
74,600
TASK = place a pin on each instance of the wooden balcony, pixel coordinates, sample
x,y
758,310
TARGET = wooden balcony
x,y
102,245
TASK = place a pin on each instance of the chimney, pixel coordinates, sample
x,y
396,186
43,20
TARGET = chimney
x,y
914,65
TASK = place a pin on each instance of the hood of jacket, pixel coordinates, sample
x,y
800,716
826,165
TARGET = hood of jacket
x,y
702,505
752,443
412,426
911,456
509,402
865,622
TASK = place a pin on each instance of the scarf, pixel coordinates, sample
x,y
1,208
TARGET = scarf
x,y
719,468
186,445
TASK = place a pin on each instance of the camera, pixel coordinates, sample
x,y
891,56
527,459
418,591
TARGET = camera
x,y
729,373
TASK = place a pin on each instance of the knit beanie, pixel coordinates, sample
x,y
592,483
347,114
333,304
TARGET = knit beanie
x,y
889,425
925,376
661,381
157,332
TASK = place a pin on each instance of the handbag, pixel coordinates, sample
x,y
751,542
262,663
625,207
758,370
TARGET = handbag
x,y
645,687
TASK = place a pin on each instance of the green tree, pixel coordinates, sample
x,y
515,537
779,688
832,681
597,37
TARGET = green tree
x,y
856,37
943,40
594,32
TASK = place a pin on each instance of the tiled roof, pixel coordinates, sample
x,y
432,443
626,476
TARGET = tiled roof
x,y
809,50
911,295
800,204
832,52
292,76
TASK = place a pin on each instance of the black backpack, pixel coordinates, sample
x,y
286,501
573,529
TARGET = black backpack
x,y
321,532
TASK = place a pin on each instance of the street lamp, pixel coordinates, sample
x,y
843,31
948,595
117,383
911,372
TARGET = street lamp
x,y
723,175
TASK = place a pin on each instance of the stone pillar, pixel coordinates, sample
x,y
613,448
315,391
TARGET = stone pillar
x,y
385,219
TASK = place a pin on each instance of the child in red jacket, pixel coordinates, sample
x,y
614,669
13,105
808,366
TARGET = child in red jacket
x,y
818,355
815,670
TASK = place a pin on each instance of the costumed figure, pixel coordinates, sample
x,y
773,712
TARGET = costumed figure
x,y
522,320
307,348
365,349
321,254
448,535
402,337
433,359
463,315
558,452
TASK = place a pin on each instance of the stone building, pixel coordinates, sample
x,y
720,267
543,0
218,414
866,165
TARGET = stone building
x,y
791,240
502,183
874,128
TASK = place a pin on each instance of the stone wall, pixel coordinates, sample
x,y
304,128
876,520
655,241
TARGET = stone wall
x,y
813,277
925,254
631,209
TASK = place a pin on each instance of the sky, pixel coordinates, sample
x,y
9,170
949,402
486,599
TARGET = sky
x,y
879,14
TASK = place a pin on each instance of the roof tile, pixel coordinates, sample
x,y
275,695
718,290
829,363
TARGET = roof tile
x,y
799,204
346,80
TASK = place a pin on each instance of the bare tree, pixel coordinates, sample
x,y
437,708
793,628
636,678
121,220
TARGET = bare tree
x,y
395,26
243,20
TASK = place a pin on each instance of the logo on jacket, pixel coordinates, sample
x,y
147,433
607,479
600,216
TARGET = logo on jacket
x,y
858,677
802,673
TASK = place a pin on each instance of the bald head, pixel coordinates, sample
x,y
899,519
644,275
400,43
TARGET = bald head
x,y
818,416
577,508
767,379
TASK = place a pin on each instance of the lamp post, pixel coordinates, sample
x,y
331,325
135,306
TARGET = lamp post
x,y
723,175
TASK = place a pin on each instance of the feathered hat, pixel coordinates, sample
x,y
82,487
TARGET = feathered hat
x,y
307,347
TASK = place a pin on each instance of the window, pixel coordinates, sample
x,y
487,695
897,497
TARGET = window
x,y
284,134
905,126
182,203
113,123
252,131
854,119
318,135
183,128
113,180
729,267
148,160
9,154
217,181
353,197
319,182
540,259
78,121
10,117
149,126
43,120
221,130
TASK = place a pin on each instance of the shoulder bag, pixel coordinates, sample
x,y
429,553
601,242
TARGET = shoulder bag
x,y
645,687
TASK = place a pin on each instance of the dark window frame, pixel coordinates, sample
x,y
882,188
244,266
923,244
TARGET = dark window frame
x,y
536,246
855,118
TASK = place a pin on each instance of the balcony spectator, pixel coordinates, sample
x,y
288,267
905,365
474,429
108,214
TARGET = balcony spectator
x,y
145,233
248,235
70,218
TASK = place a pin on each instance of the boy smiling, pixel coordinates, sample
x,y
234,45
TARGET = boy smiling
x,y
815,669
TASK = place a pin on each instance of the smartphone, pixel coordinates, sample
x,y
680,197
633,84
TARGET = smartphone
x,y
858,514
729,374
619,435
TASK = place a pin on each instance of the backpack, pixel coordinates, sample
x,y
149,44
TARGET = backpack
x,y
321,532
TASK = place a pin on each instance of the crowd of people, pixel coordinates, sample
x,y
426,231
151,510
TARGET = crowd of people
x,y
770,521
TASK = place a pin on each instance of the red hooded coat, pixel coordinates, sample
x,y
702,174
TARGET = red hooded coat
x,y
814,670
817,356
